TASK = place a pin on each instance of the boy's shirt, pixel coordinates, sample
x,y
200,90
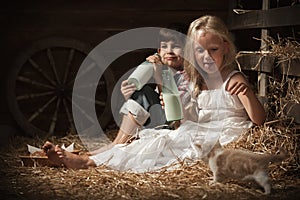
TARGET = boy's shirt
x,y
183,86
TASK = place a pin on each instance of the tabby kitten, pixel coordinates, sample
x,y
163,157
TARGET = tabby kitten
x,y
242,165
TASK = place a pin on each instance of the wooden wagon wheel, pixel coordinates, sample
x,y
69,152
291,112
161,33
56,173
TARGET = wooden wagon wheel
x,y
39,88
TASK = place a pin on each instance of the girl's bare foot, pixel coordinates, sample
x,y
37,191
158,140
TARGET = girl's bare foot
x,y
49,149
74,161
60,156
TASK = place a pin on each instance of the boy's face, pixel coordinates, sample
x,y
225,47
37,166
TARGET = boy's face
x,y
171,54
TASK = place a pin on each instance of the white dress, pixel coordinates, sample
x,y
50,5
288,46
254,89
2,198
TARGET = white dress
x,y
220,116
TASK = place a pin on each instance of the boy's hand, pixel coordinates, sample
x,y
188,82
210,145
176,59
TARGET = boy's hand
x,y
157,68
127,89
162,101
154,59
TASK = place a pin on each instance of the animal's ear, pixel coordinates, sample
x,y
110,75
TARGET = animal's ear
x,y
283,153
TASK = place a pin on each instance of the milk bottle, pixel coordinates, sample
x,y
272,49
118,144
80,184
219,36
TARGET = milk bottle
x,y
141,75
171,97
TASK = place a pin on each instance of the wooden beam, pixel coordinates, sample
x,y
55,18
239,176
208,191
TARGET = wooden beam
x,y
275,17
105,20
262,77
114,5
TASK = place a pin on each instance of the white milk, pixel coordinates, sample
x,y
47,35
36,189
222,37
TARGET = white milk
x,y
171,97
173,107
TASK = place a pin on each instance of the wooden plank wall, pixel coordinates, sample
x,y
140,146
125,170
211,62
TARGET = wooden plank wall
x,y
281,20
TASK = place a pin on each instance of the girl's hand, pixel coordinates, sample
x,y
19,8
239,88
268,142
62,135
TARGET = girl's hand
x,y
237,88
127,89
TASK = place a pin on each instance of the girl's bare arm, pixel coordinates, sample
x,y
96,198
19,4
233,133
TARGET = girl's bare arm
x,y
239,86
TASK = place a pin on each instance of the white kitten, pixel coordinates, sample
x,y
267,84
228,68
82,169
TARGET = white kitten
x,y
242,165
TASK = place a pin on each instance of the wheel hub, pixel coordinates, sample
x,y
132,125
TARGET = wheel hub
x,y
63,91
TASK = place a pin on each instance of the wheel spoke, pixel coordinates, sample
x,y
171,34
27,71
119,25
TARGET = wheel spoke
x,y
52,63
41,110
32,96
69,115
54,118
100,103
101,83
43,79
70,59
35,83
40,70
84,71
82,111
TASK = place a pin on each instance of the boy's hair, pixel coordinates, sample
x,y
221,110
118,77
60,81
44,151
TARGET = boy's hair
x,y
174,32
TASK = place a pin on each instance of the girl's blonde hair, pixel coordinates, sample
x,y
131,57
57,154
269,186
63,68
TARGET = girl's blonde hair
x,y
216,26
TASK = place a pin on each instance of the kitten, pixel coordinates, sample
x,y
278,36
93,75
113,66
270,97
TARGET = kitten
x,y
242,165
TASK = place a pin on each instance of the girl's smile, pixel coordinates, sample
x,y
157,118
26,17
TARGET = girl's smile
x,y
209,52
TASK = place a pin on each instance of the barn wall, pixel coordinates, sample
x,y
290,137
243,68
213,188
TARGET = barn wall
x,y
24,22
92,21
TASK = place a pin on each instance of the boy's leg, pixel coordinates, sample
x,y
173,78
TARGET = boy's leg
x,y
136,114
127,129
149,100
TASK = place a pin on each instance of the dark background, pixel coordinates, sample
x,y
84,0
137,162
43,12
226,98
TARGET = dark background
x,y
91,22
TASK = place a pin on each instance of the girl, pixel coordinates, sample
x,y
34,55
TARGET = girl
x,y
221,106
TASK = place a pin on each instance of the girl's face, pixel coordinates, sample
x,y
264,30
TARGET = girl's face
x,y
171,54
209,51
